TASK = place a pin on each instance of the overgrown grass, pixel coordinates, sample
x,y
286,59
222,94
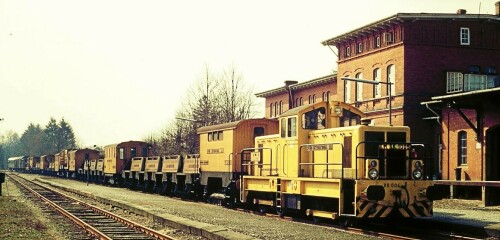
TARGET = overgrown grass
x,y
17,221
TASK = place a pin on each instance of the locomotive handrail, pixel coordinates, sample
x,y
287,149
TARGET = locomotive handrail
x,y
283,158
404,146
260,164
326,147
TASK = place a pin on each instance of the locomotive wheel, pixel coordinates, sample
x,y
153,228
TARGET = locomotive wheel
x,y
345,222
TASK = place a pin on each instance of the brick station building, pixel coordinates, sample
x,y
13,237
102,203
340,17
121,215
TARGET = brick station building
x,y
419,55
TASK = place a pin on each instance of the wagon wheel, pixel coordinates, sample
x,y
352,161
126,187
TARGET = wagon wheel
x,y
280,212
262,209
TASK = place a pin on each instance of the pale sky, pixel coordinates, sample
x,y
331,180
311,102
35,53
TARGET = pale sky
x,y
117,70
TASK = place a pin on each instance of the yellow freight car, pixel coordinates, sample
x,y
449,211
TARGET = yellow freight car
x,y
220,146
118,158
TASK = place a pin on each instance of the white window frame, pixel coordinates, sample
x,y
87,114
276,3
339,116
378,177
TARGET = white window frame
x,y
347,91
348,51
360,47
377,41
464,36
391,79
377,88
359,88
462,148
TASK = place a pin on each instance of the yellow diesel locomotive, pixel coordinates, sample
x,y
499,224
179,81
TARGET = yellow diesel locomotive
x,y
327,163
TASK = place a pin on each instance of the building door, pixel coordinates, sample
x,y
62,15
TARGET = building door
x,y
493,153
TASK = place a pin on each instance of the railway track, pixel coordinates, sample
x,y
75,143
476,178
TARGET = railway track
x,y
407,230
99,223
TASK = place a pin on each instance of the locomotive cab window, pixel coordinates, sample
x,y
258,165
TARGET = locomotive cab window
x,y
314,119
288,127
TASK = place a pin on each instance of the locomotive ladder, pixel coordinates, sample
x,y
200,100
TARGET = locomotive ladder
x,y
278,196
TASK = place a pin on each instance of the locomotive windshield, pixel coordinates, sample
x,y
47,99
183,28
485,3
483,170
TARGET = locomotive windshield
x,y
314,119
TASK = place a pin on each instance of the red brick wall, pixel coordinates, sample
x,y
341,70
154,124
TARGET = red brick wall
x,y
452,124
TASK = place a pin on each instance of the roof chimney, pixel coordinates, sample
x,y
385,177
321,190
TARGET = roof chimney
x,y
461,11
290,82
497,8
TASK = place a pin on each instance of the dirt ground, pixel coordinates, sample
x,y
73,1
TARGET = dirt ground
x,y
21,219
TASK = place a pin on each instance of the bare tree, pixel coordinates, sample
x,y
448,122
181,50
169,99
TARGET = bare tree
x,y
214,99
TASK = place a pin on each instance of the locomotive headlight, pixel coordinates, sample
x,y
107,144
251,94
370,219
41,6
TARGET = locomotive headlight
x,y
418,164
373,174
417,169
417,174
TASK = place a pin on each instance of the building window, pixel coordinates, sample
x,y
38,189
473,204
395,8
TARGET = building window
x,y
275,109
454,82
388,37
377,42
391,79
281,107
377,88
464,36
360,47
348,51
301,101
271,108
462,148
326,96
347,91
314,98
359,88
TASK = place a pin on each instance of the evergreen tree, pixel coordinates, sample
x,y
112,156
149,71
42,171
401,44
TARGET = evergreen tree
x,y
32,141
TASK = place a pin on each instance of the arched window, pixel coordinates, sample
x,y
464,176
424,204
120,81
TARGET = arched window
x,y
391,79
296,102
275,109
377,88
281,107
359,88
313,98
347,91
301,101
271,109
462,148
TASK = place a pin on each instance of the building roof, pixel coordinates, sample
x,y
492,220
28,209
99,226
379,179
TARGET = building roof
x,y
470,99
298,86
403,17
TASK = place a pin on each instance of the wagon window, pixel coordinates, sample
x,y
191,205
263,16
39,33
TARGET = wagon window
x,y
221,135
122,153
133,152
210,136
258,131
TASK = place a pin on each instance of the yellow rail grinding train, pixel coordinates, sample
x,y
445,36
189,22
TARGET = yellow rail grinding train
x,y
323,160
326,163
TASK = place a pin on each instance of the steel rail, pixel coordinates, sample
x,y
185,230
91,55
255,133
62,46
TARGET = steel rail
x,y
89,228
65,213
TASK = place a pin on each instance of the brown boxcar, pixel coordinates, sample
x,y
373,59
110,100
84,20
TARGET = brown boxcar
x,y
118,158
47,164
76,160
33,164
